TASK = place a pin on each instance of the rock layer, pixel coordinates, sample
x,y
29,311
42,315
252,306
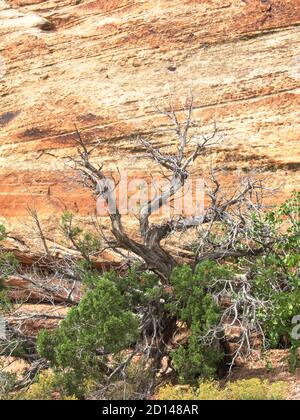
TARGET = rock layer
x,y
104,64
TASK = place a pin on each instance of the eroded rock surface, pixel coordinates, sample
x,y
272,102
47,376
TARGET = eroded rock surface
x,y
103,65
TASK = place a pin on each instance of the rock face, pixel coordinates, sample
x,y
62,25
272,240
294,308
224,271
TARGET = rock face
x,y
104,64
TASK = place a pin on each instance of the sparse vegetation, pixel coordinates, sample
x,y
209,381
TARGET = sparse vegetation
x,y
45,388
247,389
261,292
163,314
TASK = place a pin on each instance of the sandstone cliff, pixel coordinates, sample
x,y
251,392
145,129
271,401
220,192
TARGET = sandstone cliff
x,y
103,64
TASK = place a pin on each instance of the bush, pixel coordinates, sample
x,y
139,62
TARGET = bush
x,y
98,334
193,305
121,313
8,262
84,242
7,384
2,232
173,393
256,389
276,277
99,326
44,388
263,293
247,389
8,265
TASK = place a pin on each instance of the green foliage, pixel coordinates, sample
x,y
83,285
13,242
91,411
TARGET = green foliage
x,y
100,325
2,232
84,242
98,334
100,329
5,303
276,276
7,384
45,388
194,305
8,265
67,225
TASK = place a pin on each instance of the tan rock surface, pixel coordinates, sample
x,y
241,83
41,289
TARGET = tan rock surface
x,y
103,64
